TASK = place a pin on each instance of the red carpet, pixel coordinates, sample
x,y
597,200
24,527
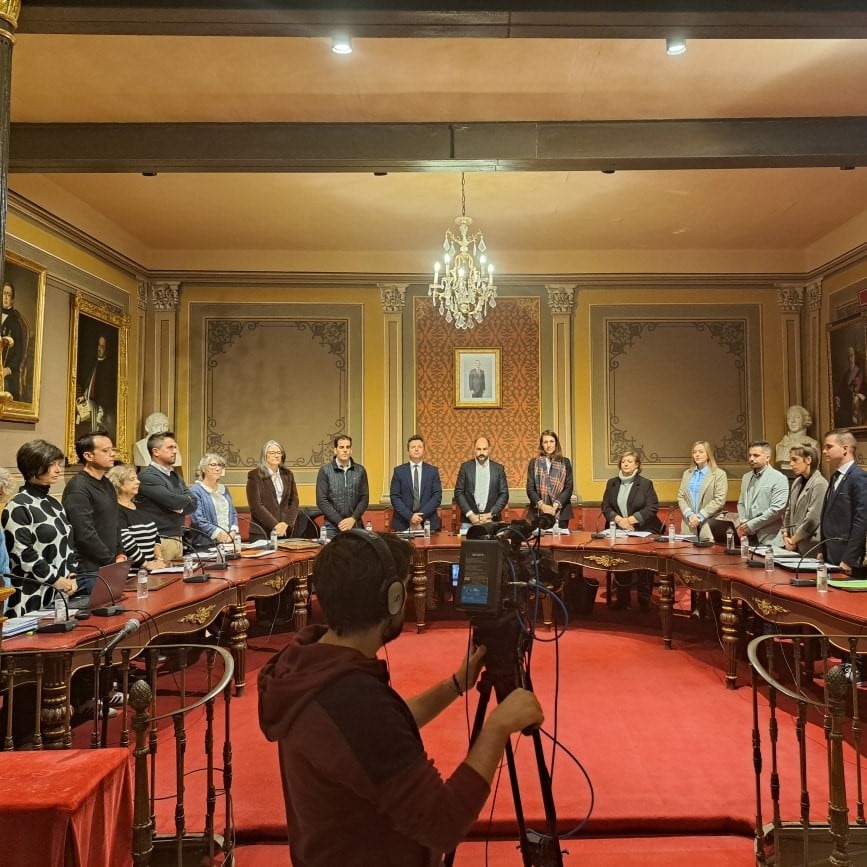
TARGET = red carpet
x,y
666,747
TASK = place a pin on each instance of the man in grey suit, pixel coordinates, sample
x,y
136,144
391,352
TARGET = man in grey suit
x,y
763,500
481,490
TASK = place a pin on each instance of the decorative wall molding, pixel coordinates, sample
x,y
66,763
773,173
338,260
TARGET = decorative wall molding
x,y
561,297
790,298
814,295
392,296
165,296
142,290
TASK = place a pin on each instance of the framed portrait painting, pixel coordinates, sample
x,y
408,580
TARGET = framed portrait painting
x,y
477,378
21,337
97,375
848,385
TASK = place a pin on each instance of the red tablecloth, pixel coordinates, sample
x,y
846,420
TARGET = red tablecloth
x,y
67,807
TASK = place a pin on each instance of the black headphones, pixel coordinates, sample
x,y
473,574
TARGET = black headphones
x,y
392,591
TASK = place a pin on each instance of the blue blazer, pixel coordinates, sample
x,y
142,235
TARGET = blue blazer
x,y
430,495
844,520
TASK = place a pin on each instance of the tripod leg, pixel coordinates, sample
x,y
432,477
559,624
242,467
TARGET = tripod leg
x,y
484,688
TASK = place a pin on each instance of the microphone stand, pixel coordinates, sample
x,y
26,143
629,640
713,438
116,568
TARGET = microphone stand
x,y
796,580
598,534
221,563
196,579
699,542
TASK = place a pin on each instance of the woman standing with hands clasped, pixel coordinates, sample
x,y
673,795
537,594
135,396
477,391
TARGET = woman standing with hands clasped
x,y
804,513
549,480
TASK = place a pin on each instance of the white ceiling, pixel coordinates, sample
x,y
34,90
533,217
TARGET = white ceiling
x,y
755,220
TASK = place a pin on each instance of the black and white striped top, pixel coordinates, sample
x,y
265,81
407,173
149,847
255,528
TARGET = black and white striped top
x,y
138,535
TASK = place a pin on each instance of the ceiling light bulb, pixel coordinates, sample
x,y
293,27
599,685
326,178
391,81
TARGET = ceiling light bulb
x,y
675,45
341,44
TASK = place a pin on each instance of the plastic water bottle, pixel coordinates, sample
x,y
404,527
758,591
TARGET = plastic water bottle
x,y
612,533
426,527
236,543
730,540
141,584
369,526
821,575
555,530
59,607
769,559
745,549
272,544
188,566
671,534
323,535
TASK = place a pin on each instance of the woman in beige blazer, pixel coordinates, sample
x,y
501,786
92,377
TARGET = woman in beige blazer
x,y
703,490
804,515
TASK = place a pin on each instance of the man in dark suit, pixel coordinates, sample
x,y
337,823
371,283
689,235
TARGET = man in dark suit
x,y
844,512
477,380
481,490
416,490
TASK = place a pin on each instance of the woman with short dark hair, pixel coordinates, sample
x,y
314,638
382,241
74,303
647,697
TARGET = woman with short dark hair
x,y
630,501
38,534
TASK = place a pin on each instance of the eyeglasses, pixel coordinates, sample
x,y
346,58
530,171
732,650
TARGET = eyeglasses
x,y
271,454
218,466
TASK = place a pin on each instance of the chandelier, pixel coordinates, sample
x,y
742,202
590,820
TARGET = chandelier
x,y
463,284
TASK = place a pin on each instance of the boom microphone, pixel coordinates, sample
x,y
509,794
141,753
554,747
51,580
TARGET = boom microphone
x,y
132,625
699,542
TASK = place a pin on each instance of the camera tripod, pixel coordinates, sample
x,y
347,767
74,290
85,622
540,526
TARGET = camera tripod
x,y
504,671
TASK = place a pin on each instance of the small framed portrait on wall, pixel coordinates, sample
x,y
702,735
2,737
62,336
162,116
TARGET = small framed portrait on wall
x,y
477,378
848,386
97,381
21,337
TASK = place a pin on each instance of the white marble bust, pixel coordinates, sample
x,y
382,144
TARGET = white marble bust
x,y
798,419
156,422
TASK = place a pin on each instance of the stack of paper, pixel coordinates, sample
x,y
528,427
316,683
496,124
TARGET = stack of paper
x,y
17,625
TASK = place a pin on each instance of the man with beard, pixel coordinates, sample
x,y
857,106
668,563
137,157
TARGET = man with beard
x,y
481,490
14,334
358,786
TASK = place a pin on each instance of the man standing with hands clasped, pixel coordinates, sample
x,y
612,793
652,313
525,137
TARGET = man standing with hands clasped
x,y
416,490
763,500
342,492
481,490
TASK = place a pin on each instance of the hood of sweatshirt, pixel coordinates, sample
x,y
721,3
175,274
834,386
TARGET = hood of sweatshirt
x,y
293,678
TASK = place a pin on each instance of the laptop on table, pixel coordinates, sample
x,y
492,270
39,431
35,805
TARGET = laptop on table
x,y
107,591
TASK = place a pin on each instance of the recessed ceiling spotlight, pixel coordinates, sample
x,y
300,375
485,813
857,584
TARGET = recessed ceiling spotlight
x,y
341,43
847,168
607,171
675,45
149,174
380,174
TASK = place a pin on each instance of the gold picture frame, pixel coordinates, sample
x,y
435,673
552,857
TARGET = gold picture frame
x,y
847,375
22,325
477,378
97,395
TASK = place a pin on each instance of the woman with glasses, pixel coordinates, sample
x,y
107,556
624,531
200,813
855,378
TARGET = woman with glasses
x,y
272,494
215,513
139,536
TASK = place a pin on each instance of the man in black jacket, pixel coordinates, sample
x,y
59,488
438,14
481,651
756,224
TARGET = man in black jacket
x,y
90,503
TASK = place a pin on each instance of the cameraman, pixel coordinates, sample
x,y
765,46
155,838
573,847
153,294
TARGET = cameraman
x,y
358,786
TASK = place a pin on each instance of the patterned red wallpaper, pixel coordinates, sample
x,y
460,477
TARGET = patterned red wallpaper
x,y
513,327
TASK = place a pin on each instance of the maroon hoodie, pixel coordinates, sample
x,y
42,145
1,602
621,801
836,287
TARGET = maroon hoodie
x,y
358,785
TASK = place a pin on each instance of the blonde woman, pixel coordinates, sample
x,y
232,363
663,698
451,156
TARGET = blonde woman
x,y
703,490
139,536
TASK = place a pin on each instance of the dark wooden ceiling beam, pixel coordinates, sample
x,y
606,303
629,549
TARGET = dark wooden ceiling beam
x,y
579,146
704,19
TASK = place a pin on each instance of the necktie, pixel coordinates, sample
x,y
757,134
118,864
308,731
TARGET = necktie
x,y
416,489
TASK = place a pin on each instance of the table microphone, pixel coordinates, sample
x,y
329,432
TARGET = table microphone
x,y
796,580
698,541
233,554
60,626
598,534
221,558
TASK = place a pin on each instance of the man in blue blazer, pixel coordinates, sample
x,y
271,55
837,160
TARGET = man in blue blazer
x,y
414,502
481,503
844,512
